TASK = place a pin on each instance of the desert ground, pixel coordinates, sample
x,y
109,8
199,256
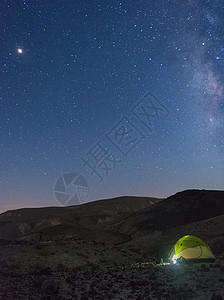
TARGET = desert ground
x,y
112,249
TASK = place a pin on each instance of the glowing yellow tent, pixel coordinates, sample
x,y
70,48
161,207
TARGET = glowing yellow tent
x,y
191,248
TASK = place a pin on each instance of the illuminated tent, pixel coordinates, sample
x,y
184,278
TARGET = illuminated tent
x,y
191,248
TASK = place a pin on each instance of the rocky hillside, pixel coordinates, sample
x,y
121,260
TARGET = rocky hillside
x,y
180,209
68,220
155,229
109,249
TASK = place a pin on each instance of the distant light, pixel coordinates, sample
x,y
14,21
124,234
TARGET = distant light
x,y
218,57
174,259
20,51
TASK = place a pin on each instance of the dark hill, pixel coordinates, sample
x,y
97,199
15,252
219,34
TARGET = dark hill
x,y
183,208
16,223
179,209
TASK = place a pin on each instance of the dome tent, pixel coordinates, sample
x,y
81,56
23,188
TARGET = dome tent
x,y
191,248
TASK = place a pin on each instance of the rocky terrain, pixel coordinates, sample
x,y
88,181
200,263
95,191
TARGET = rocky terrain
x,y
78,220
140,281
111,249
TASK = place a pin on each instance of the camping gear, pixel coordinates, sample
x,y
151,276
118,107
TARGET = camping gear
x,y
190,249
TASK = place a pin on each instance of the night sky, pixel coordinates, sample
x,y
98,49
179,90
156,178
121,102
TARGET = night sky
x,y
118,97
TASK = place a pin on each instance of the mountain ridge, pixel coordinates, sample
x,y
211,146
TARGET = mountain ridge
x,y
15,223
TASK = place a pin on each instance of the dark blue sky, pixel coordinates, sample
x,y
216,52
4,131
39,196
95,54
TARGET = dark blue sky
x,y
73,74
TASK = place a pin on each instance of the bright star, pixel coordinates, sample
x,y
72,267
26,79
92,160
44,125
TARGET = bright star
x,y
20,51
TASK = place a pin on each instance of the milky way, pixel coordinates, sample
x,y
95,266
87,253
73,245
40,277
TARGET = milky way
x,y
109,98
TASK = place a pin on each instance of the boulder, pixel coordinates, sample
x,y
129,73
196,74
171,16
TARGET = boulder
x,y
49,286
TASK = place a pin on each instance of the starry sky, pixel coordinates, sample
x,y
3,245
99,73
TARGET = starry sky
x,y
125,96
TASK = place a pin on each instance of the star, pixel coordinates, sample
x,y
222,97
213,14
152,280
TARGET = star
x,y
54,71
